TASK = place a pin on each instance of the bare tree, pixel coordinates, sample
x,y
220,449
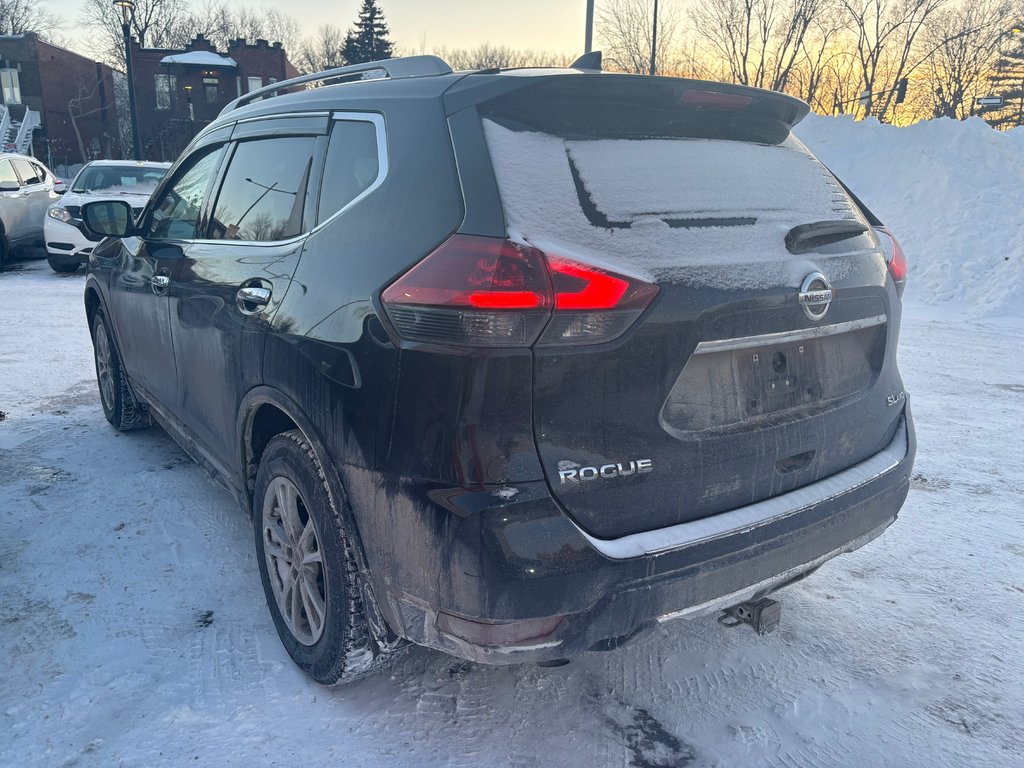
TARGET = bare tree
x,y
886,32
759,41
20,16
964,47
488,56
84,104
220,23
625,26
155,23
323,50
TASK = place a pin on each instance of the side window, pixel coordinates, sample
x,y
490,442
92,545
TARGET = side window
x,y
7,172
176,214
353,165
264,190
40,171
26,171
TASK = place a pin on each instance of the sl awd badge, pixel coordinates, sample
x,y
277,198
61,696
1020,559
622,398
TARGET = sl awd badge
x,y
571,472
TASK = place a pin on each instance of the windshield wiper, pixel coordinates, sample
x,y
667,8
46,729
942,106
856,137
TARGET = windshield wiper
x,y
807,237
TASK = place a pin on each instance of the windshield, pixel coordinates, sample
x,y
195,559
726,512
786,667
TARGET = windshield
x,y
129,179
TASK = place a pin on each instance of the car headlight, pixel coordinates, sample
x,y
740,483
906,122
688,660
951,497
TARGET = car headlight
x,y
60,214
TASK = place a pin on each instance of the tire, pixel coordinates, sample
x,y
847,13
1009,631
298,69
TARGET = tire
x,y
63,267
120,407
5,251
327,634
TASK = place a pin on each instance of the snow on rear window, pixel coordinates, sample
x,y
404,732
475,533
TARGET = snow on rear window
x,y
680,210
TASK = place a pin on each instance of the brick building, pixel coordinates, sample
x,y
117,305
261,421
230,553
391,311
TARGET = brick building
x,y
180,91
41,86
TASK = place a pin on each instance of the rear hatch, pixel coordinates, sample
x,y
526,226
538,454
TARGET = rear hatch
x,y
729,389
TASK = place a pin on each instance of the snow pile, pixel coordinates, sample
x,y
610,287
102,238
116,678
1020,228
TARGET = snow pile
x,y
953,194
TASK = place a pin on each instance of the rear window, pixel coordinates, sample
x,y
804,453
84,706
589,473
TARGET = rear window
x,y
677,209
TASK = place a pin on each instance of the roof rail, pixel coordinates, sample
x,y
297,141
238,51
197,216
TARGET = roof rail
x,y
406,66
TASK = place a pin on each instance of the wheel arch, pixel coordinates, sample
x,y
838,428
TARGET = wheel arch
x,y
265,412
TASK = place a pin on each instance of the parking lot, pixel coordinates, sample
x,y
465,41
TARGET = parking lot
x,y
134,631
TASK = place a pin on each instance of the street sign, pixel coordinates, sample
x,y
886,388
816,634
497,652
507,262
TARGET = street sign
x,y
865,97
989,101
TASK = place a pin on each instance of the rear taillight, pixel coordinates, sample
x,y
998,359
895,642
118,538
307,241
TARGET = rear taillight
x,y
895,258
488,292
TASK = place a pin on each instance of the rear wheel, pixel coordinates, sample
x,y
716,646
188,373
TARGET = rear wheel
x,y
120,407
5,251
307,566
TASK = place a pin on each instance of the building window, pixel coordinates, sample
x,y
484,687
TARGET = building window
x,y
211,89
165,87
11,86
255,83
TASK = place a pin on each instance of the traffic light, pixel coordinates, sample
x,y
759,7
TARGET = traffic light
x,y
901,90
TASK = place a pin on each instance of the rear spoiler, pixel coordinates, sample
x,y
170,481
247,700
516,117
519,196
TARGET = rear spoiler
x,y
578,102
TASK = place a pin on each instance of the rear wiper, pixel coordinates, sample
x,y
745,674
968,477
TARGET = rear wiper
x,y
807,237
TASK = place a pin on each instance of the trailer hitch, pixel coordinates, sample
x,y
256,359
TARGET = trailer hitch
x,y
762,615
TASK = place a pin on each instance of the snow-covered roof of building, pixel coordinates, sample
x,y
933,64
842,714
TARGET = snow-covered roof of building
x,y
200,59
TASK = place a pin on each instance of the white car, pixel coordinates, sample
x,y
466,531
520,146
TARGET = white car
x,y
68,242
27,187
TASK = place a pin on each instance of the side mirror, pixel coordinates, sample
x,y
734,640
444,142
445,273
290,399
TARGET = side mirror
x,y
9,186
111,218
60,187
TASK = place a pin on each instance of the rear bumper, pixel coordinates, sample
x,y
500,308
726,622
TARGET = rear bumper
x,y
510,553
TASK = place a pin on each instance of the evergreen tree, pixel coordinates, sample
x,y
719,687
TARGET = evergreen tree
x,y
1008,81
369,40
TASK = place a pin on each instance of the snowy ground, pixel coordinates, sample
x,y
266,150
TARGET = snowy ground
x,y
133,629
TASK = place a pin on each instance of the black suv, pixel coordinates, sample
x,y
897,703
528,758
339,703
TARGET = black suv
x,y
512,364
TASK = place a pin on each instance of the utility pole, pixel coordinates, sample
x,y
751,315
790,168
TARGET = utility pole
x,y
654,38
588,38
127,8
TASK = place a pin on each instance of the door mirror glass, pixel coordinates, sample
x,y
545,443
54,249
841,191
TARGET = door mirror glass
x,y
9,186
109,217
60,187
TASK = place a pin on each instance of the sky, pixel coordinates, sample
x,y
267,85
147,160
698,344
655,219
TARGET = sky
x,y
541,25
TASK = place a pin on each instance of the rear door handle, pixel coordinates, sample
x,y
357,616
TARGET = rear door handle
x,y
252,299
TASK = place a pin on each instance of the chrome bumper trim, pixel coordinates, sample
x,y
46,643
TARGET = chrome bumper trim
x,y
765,586
786,337
760,513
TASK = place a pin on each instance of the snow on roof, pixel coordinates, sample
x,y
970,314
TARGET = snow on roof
x,y
199,59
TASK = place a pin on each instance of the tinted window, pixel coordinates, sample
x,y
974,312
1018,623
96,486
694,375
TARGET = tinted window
x,y
352,165
264,190
40,171
7,172
177,214
26,171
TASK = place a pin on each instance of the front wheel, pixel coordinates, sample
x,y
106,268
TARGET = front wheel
x,y
308,568
63,267
120,407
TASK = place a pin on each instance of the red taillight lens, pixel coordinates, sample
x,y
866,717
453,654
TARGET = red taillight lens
x,y
895,258
489,292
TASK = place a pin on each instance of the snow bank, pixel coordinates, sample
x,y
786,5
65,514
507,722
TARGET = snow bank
x,y
953,194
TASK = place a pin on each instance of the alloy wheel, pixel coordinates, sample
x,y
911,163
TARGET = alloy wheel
x,y
104,366
294,561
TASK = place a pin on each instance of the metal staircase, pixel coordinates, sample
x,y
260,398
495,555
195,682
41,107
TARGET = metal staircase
x,y
16,129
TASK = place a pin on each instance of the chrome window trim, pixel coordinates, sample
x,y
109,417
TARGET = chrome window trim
x,y
382,172
280,116
760,513
787,337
